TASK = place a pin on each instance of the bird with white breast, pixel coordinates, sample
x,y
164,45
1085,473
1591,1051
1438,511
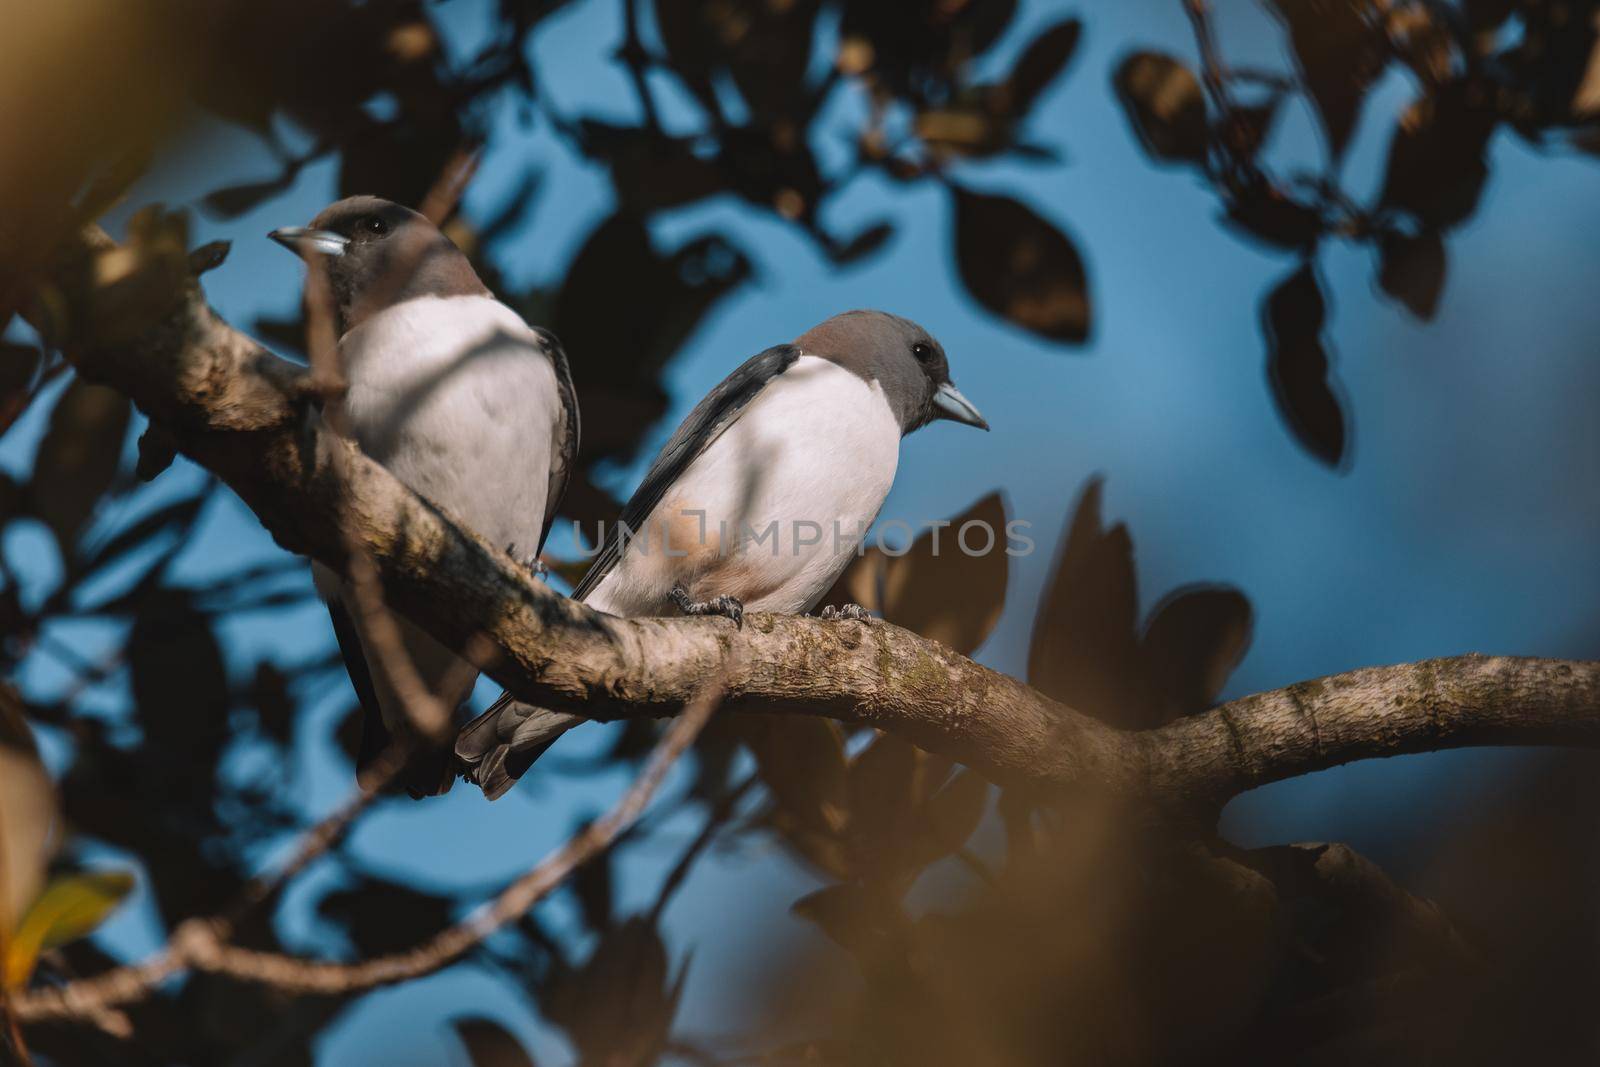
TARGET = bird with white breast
x,y
463,401
757,502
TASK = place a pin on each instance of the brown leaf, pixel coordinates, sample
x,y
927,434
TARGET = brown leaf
x,y
27,815
1196,637
1436,168
1266,212
1041,63
1165,107
801,759
78,458
1297,366
1085,650
880,782
937,589
1341,48
489,1044
617,1008
1244,129
1412,269
853,917
1019,266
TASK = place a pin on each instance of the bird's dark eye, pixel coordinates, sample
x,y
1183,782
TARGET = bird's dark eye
x,y
374,225
922,351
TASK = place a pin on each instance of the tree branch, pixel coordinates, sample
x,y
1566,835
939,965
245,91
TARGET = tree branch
x,y
245,414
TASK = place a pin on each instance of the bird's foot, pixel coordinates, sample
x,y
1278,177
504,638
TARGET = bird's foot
x,y
853,612
726,606
534,564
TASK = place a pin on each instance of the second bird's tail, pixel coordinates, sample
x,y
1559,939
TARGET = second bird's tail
x,y
498,747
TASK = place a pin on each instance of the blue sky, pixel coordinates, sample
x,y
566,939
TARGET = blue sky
x,y
1466,520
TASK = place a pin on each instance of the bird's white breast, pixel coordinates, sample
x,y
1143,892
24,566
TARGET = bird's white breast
x,y
818,445
456,396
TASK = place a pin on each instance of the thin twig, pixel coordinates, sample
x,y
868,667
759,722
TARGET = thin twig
x,y
196,945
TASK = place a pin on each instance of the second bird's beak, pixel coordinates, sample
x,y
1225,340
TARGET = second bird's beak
x,y
948,403
303,239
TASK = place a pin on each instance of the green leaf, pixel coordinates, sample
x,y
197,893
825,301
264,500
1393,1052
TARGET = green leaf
x,y
69,908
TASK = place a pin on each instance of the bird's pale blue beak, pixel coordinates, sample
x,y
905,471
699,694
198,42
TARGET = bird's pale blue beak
x,y
948,403
303,239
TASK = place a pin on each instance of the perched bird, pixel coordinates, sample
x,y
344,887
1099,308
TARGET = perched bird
x,y
756,503
460,399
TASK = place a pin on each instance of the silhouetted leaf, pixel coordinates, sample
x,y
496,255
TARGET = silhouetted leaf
x,y
1265,212
17,366
209,256
166,519
880,782
270,696
1436,168
853,917
592,883
1245,129
940,590
1085,651
1021,267
381,916
618,1007
1041,63
157,451
180,684
69,908
78,458
862,244
27,815
1297,366
489,1044
1341,48
1196,637
1165,107
1425,41
801,759
1487,14
235,200
1412,270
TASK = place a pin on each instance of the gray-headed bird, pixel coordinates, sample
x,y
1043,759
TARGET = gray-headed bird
x,y
757,503
460,399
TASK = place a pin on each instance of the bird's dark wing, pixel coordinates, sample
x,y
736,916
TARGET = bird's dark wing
x,y
704,424
374,734
561,468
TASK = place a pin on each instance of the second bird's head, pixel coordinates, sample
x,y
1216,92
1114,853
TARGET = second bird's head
x,y
902,358
376,254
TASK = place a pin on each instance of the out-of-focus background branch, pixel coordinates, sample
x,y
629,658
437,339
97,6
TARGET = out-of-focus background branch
x,y
1381,206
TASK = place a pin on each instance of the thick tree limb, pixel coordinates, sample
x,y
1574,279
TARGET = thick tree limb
x,y
1457,702
243,413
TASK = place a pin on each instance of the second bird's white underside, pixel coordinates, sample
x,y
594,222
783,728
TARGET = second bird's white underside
x,y
818,445
457,397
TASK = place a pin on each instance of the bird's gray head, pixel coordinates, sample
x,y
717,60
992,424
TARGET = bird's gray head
x,y
901,357
376,254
